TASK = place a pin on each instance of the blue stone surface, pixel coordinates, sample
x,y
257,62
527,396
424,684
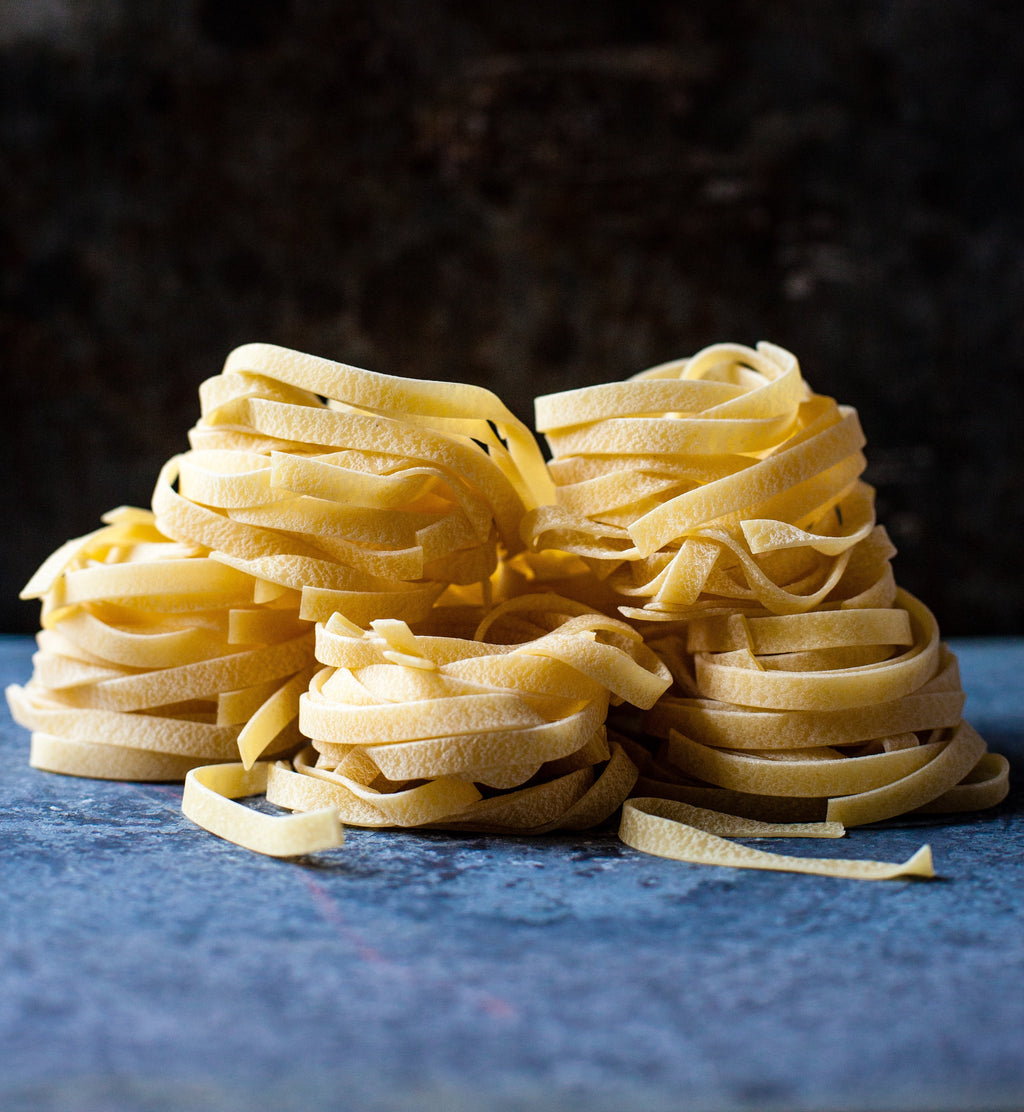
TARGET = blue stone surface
x,y
147,966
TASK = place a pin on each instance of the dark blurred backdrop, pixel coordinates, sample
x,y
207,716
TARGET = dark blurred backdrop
x,y
532,196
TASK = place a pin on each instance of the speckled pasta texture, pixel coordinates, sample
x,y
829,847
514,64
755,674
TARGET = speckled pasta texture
x,y
370,600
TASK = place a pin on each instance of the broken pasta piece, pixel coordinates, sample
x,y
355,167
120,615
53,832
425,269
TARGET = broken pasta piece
x,y
671,829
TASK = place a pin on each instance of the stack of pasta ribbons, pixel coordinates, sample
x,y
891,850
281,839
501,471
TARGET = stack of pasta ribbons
x,y
154,658
368,494
501,731
720,503
847,715
370,599
718,484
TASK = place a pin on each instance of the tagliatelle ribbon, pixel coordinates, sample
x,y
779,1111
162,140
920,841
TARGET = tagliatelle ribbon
x,y
329,428
667,828
469,408
702,548
206,801
369,493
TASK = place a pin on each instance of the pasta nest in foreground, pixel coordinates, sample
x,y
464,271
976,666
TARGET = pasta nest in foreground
x,y
504,731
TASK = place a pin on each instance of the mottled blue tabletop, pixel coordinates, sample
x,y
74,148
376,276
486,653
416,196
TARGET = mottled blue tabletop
x,y
147,966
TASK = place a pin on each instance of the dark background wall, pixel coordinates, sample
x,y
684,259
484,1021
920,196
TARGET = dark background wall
x,y
529,196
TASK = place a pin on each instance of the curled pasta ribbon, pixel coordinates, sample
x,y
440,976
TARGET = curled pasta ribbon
x,y
207,801
713,484
849,716
505,731
154,659
460,409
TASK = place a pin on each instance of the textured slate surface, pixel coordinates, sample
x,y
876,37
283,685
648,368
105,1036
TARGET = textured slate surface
x,y
148,967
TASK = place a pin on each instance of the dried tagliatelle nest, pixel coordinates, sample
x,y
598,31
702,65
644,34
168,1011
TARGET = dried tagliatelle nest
x,y
501,731
369,599
719,503
368,494
154,658
719,484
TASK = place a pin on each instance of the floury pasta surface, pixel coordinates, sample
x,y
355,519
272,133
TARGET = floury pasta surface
x,y
371,599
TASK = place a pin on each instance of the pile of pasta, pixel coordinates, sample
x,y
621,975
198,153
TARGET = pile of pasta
x,y
847,715
366,493
369,600
719,502
154,658
501,731
717,484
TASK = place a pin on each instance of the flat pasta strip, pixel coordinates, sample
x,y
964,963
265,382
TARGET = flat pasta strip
x,y
387,394
769,577
358,489
675,830
207,802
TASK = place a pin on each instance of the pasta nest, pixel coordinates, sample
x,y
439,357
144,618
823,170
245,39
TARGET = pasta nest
x,y
503,731
717,484
154,658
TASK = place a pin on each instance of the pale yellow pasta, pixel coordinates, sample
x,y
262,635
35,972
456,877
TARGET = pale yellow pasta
x,y
369,493
719,502
470,409
144,639
716,483
391,707
860,741
207,801
701,548
670,829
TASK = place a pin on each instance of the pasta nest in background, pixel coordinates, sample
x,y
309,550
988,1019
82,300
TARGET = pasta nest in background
x,y
717,484
155,658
